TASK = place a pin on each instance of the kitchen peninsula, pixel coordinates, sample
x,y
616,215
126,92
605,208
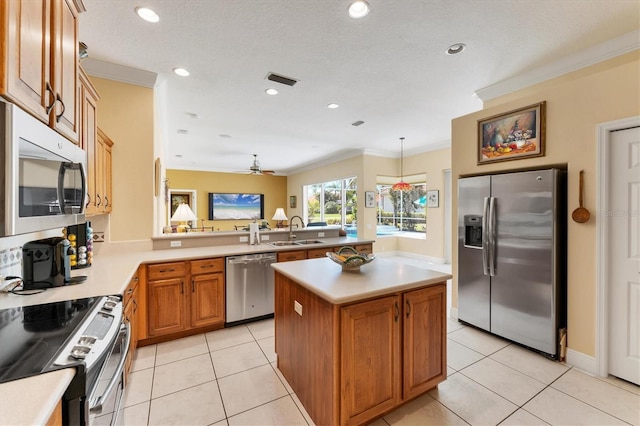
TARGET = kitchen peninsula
x,y
355,345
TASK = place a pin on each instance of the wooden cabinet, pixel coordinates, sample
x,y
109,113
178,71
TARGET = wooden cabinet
x,y
185,296
363,359
39,53
131,305
89,136
318,253
102,173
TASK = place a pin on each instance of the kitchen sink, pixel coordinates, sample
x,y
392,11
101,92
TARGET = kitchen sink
x,y
294,243
283,243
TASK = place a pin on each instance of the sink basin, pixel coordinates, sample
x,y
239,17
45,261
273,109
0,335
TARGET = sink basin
x,y
302,242
283,243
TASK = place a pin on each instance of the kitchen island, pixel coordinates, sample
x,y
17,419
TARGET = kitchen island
x,y
355,345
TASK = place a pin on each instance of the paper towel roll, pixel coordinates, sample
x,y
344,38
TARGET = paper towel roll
x,y
254,238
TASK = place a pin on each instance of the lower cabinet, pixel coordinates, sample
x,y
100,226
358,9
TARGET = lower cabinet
x,y
363,359
181,297
131,317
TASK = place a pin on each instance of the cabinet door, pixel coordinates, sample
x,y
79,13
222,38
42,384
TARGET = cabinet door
x,y
207,299
64,53
318,253
27,69
107,177
425,339
129,318
370,359
166,306
89,137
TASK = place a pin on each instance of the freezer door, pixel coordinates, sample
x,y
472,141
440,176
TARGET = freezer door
x,y
473,285
523,290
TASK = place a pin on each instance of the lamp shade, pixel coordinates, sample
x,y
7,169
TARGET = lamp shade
x,y
401,186
279,214
183,214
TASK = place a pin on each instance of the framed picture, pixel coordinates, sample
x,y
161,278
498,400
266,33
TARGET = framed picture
x,y
513,135
369,199
433,198
293,202
178,198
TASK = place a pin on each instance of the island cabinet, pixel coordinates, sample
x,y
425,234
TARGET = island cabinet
x,y
184,298
39,52
350,363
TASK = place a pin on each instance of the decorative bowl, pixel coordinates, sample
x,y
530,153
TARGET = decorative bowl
x,y
350,259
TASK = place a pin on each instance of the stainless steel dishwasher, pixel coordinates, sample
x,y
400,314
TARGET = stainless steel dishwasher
x,y
249,287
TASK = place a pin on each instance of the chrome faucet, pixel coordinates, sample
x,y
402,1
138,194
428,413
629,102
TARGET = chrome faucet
x,y
292,236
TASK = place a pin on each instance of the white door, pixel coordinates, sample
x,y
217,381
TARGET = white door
x,y
623,229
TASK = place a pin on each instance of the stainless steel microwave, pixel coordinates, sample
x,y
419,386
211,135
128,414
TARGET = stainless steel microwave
x,y
42,180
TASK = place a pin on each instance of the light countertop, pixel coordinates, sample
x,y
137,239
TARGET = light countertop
x,y
382,276
31,401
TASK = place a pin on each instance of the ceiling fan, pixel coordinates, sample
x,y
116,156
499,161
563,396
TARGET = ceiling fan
x,y
255,168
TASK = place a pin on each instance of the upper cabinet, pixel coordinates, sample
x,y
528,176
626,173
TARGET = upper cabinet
x,y
39,51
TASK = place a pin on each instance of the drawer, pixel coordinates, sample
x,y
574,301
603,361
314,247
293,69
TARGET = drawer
x,y
364,248
207,265
287,256
318,253
166,270
131,288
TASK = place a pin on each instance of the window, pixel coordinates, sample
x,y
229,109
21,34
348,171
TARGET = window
x,y
332,202
399,211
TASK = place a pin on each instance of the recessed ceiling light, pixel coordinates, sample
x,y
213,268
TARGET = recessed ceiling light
x,y
181,72
271,92
359,9
333,106
224,136
192,115
178,155
183,131
454,49
147,14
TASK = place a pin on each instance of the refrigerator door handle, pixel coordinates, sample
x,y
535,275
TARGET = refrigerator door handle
x,y
485,237
492,236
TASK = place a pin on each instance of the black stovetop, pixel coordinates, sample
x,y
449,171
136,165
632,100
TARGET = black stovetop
x,y
30,336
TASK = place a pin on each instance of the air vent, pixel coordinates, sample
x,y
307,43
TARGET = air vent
x,y
281,79
357,123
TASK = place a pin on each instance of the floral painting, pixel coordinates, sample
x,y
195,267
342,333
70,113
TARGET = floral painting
x,y
513,135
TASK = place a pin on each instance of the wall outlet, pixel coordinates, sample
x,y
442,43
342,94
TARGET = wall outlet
x,y
98,237
297,307
264,237
176,243
320,234
244,239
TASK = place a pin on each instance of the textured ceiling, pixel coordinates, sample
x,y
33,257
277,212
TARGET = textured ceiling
x,y
388,69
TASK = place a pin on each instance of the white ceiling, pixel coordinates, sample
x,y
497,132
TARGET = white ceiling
x,y
388,69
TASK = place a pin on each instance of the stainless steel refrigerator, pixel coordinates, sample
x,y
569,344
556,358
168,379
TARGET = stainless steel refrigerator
x,y
512,255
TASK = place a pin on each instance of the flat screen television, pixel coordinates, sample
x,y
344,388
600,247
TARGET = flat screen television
x,y
235,206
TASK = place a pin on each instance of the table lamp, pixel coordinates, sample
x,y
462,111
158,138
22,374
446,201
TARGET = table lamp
x,y
183,215
280,217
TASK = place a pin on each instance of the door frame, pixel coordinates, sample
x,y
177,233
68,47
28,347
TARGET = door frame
x,y
602,268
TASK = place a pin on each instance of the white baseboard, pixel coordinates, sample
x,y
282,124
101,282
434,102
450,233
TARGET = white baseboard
x,y
582,362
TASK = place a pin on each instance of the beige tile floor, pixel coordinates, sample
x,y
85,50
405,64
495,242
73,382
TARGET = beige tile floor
x,y
229,377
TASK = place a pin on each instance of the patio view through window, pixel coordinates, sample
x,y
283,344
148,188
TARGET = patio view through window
x,y
333,202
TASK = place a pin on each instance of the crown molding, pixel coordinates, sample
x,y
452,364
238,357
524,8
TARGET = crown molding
x,y
121,73
598,53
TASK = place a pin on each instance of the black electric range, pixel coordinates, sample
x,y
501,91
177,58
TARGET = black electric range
x,y
31,336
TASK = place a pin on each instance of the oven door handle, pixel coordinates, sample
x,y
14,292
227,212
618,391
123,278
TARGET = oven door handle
x,y
116,376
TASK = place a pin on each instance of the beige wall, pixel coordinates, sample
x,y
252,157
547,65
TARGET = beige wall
x,y
125,114
273,187
367,168
576,104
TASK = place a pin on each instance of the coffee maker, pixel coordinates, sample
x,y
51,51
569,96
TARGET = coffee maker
x,y
45,263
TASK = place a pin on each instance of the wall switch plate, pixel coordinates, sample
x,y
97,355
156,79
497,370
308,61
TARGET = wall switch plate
x,y
297,307
264,237
244,239
98,237
176,243
320,234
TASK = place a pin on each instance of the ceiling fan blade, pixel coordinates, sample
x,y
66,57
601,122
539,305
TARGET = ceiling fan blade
x,y
268,172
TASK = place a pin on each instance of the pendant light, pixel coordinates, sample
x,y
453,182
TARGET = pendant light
x,y
402,185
